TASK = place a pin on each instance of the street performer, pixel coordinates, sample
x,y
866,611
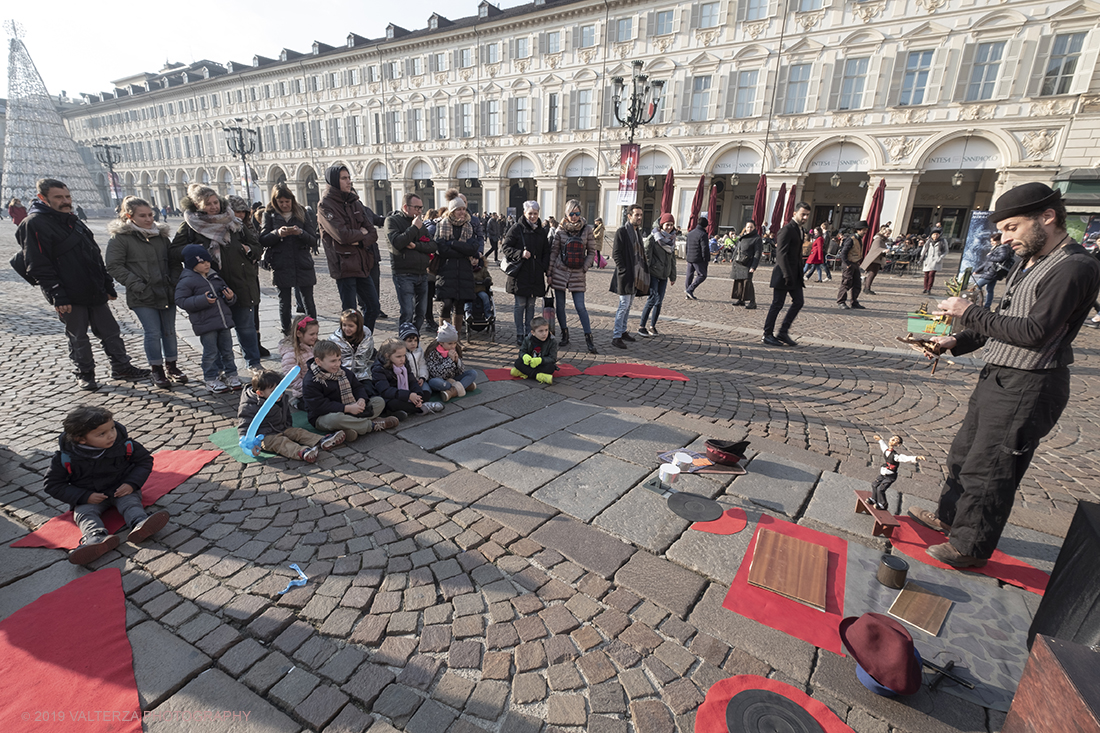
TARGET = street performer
x,y
1024,385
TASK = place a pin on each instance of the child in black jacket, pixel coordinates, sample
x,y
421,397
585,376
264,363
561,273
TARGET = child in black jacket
x,y
395,382
538,353
99,466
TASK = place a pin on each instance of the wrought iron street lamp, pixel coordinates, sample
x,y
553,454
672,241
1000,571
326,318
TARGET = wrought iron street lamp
x,y
242,143
645,98
110,156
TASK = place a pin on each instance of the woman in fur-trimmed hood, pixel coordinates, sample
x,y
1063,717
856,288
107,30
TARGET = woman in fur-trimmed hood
x,y
140,256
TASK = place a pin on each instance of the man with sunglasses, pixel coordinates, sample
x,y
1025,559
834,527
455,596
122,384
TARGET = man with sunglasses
x,y
1024,385
410,252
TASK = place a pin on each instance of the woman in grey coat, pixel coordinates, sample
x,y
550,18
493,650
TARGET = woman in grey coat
x,y
140,256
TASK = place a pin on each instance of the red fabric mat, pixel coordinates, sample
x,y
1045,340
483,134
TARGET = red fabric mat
x,y
634,371
732,521
68,663
170,469
711,717
913,538
500,375
820,628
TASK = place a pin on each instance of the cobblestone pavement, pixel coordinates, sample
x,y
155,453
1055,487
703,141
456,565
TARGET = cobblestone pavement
x,y
497,567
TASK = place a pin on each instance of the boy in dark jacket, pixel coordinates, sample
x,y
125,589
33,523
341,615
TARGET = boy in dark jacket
x,y
97,466
336,400
278,431
206,297
538,354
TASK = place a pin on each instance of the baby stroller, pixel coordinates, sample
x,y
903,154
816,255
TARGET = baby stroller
x,y
481,317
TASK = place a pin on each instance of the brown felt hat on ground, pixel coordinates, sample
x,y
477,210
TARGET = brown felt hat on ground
x,y
884,649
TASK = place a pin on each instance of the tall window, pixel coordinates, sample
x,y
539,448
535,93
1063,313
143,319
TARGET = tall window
x,y
708,15
523,48
756,9
334,80
663,26
466,57
355,76
552,112
553,42
336,136
284,137
417,65
440,62
391,70
440,123
372,74
377,128
585,109
492,53
700,98
466,119
393,126
588,36
852,83
983,75
187,146
301,135
804,6
1064,56
521,115
419,123
745,101
493,110
798,88
624,30
915,82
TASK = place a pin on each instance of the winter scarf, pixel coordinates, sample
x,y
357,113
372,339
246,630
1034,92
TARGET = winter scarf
x,y
346,395
402,374
665,239
215,227
572,227
445,231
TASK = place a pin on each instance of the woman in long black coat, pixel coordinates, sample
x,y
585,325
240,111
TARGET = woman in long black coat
x,y
526,243
289,238
455,243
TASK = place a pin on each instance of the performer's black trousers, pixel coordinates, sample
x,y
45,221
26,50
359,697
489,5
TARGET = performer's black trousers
x,y
880,485
1010,411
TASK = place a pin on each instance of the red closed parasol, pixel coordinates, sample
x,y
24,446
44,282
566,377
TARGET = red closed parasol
x,y
666,193
759,201
696,204
777,212
712,211
874,211
789,213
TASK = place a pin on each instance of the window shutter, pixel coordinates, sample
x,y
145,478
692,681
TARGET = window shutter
x,y
512,116
608,105
963,78
534,116
780,87
813,93
456,127
773,9
572,111
938,75
433,63
724,13
683,95
651,24
696,13
511,48
897,78
484,126
1010,65
457,58
1040,54
872,84
730,85
434,123
576,36
837,80
613,31
408,67
1086,65
543,44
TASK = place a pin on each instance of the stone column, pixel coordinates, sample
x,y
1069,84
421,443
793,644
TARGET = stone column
x,y
550,192
775,181
1010,178
441,186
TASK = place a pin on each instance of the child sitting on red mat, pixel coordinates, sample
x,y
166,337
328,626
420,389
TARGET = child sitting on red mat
x,y
98,466
538,353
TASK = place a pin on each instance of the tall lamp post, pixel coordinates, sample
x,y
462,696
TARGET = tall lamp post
x,y
242,143
110,156
645,97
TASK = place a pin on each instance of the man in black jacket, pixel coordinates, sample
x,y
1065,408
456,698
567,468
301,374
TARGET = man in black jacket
x,y
851,254
62,255
410,250
697,254
787,277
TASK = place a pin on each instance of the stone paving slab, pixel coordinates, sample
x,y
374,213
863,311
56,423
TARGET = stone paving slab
x,y
833,505
19,562
668,585
776,483
1035,548
607,426
525,400
716,556
552,418
34,586
213,690
590,487
585,545
480,450
642,444
453,427
414,462
514,510
163,662
643,518
490,392
529,468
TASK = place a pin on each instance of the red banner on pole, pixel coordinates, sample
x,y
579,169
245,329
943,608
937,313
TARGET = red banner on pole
x,y
628,173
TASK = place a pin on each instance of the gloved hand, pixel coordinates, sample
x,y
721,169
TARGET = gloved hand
x,y
527,359
535,361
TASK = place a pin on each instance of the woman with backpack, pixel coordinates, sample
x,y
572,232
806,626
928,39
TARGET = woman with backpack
x,y
573,249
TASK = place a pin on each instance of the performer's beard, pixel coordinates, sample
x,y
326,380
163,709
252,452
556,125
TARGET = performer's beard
x,y
1032,241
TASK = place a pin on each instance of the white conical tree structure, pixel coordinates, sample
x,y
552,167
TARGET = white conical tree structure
x,y
36,144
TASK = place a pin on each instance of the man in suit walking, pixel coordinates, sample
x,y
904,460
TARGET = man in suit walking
x,y
787,277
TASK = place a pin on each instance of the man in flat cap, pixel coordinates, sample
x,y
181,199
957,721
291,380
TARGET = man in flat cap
x,y
1024,385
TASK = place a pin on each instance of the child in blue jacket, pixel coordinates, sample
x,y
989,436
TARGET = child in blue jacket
x,y
206,298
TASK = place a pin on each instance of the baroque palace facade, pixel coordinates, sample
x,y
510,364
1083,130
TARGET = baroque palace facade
x,y
950,101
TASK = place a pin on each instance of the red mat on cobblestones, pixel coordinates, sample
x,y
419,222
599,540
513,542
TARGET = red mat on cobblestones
x,y
170,469
732,521
912,539
635,371
820,628
68,663
711,717
500,375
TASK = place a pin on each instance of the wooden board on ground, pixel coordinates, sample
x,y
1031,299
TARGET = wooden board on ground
x,y
790,567
920,607
884,520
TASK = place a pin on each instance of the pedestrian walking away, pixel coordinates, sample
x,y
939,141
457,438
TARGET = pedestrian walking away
x,y
1024,386
697,255
851,254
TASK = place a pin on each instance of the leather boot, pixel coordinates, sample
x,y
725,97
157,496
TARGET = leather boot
x,y
591,345
174,372
449,394
160,379
564,337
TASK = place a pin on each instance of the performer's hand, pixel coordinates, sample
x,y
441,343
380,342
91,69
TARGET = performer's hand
x,y
921,458
943,343
953,307
876,437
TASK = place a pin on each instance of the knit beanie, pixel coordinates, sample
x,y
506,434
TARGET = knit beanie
x,y
458,202
446,334
236,203
667,219
193,254
407,329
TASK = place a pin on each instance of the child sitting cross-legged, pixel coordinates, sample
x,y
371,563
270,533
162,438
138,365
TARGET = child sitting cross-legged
x,y
398,386
99,466
445,370
296,351
280,435
414,354
336,400
538,353
356,344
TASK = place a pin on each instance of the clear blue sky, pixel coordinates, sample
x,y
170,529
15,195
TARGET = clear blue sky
x,y
81,46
